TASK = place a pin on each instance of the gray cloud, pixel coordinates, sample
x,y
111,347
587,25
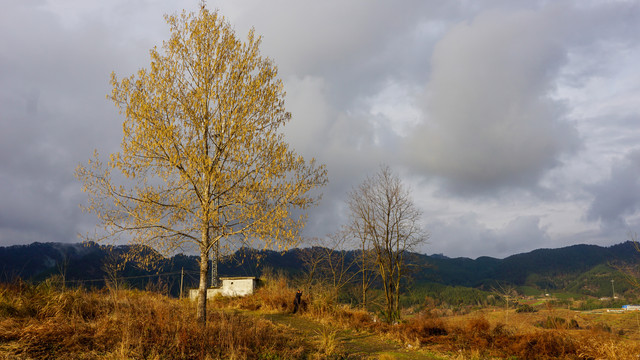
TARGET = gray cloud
x,y
54,73
489,98
490,120
617,197
466,236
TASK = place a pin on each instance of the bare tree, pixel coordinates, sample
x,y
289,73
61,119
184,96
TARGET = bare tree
x,y
113,266
367,270
327,264
507,292
339,266
63,265
311,259
384,216
366,261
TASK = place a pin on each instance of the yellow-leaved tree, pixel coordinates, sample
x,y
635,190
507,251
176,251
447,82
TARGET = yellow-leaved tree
x,y
202,158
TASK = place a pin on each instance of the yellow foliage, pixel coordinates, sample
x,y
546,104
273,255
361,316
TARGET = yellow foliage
x,y
202,156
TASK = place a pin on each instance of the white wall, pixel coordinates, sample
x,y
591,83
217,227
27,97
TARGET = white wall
x,y
239,286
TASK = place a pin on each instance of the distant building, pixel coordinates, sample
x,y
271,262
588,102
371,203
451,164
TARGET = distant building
x,y
631,307
231,286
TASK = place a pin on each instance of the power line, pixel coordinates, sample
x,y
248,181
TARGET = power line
x,y
135,277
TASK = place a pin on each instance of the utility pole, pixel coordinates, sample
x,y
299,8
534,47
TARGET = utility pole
x,y
181,281
214,265
214,262
613,289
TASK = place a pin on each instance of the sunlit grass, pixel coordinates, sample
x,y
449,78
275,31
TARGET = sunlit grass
x,y
39,322
43,322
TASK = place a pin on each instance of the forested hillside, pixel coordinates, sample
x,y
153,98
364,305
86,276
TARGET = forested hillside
x,y
578,269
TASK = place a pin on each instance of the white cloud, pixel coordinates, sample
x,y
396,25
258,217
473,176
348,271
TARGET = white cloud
x,y
395,107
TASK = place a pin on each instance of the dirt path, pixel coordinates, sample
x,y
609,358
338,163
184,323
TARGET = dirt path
x,y
354,344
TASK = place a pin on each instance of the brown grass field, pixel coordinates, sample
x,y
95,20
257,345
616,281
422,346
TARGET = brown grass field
x,y
43,322
546,334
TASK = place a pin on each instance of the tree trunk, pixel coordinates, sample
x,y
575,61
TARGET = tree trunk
x,y
396,310
398,278
388,292
364,291
364,279
201,311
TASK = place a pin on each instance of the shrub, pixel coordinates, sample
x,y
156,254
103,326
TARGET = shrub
x,y
424,329
525,308
544,345
552,323
478,325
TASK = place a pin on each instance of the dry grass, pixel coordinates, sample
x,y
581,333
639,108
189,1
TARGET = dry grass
x,y
484,335
328,342
42,323
547,334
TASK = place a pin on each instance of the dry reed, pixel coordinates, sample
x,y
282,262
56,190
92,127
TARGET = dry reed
x,y
37,322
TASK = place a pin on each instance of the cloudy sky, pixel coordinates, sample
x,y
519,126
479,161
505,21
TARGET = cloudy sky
x,y
515,123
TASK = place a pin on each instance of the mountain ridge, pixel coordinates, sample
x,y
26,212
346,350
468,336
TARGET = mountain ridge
x,y
584,269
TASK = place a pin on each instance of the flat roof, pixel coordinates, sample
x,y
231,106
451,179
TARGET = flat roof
x,y
238,277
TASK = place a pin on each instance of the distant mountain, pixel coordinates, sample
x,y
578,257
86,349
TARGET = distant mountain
x,y
581,269
544,269
36,260
87,264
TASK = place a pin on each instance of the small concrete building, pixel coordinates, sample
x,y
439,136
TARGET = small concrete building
x,y
231,286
